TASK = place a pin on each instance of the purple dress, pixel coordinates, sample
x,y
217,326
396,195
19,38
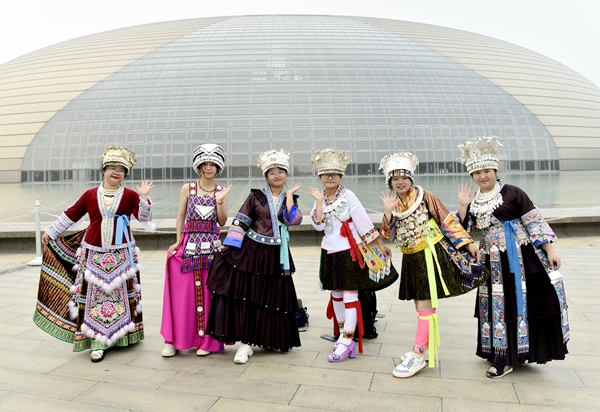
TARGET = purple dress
x,y
186,301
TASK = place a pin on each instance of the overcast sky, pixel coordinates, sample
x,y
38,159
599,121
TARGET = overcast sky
x,y
567,31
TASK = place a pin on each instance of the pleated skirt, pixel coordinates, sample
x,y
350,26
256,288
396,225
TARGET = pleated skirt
x,y
252,301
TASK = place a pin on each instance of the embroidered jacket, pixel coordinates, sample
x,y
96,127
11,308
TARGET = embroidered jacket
x,y
256,221
202,230
347,207
102,228
530,226
425,216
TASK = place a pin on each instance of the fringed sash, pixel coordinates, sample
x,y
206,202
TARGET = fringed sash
x,y
434,338
513,261
284,253
430,257
346,232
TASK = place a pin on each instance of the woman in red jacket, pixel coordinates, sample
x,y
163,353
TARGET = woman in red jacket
x,y
99,305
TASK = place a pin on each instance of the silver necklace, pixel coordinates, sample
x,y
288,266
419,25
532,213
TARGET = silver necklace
x,y
484,204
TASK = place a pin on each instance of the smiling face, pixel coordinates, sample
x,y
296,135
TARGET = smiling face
x,y
331,181
113,176
208,170
276,177
401,185
485,179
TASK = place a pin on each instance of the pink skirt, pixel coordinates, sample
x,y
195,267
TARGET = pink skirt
x,y
179,324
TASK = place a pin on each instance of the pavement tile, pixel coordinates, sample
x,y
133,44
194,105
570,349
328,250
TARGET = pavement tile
x,y
350,400
295,357
234,388
20,402
591,316
114,373
590,378
310,376
361,363
302,378
144,399
228,405
466,405
522,373
215,363
41,384
557,395
30,362
424,384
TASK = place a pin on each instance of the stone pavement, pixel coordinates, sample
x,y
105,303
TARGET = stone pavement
x,y
40,372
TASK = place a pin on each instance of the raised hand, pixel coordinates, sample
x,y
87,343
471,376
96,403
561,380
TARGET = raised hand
x,y
144,188
388,201
222,194
464,194
294,189
316,193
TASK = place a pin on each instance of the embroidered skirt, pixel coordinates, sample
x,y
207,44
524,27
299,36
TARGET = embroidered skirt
x,y
339,272
112,314
544,327
458,271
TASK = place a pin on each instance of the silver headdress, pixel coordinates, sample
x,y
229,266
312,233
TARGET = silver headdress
x,y
274,158
208,152
330,161
480,153
399,164
117,155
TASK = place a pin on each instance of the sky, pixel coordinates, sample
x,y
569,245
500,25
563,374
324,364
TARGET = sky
x,y
566,31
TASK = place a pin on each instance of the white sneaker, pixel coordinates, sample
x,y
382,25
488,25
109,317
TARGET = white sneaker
x,y
168,351
243,353
410,366
405,355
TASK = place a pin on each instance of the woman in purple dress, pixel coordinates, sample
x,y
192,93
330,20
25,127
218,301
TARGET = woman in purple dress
x,y
186,301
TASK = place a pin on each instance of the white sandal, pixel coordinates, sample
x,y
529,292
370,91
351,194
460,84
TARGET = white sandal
x,y
97,355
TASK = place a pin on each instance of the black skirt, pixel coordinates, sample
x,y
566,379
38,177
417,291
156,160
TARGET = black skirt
x,y
339,272
253,302
543,314
414,283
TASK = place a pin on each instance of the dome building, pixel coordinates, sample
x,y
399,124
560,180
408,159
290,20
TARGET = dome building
x,y
252,83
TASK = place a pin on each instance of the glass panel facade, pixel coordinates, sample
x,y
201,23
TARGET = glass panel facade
x,y
295,82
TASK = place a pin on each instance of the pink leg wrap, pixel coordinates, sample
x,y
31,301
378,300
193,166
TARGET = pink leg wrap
x,y
422,336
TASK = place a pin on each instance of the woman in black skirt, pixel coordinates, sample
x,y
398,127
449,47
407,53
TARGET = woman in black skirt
x,y
353,257
435,261
254,299
522,310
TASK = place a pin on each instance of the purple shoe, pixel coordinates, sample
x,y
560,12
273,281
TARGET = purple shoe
x,y
349,352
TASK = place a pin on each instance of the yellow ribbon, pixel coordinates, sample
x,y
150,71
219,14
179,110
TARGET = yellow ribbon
x,y
434,338
430,256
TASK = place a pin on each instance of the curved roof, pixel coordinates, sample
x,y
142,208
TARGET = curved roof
x,y
566,103
555,101
34,87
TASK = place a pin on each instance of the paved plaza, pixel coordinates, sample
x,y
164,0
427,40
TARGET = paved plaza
x,y
38,372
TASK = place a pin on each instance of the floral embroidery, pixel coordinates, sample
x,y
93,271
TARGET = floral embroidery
x,y
108,261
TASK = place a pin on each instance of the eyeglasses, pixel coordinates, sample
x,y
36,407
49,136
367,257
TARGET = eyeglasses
x,y
113,169
329,175
278,173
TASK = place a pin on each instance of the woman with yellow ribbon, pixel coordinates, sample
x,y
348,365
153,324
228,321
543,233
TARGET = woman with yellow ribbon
x,y
435,261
